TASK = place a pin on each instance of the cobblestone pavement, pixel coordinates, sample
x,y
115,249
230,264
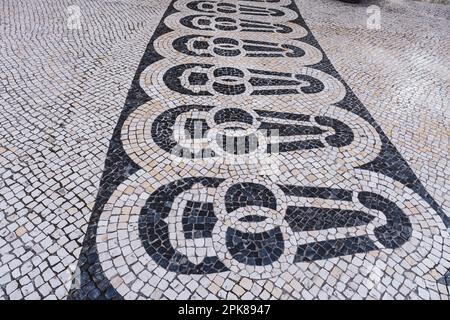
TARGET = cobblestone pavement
x,y
224,149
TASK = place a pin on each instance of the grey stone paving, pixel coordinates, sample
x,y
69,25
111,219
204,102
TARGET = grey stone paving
x,y
63,91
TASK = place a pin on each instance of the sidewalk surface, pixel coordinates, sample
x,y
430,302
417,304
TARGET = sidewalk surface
x,y
116,175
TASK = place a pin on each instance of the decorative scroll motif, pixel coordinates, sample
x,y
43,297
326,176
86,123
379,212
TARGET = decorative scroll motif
x,y
299,187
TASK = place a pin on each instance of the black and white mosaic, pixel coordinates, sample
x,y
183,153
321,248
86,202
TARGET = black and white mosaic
x,y
310,186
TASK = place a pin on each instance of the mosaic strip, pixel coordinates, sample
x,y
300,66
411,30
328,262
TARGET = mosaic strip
x,y
180,216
